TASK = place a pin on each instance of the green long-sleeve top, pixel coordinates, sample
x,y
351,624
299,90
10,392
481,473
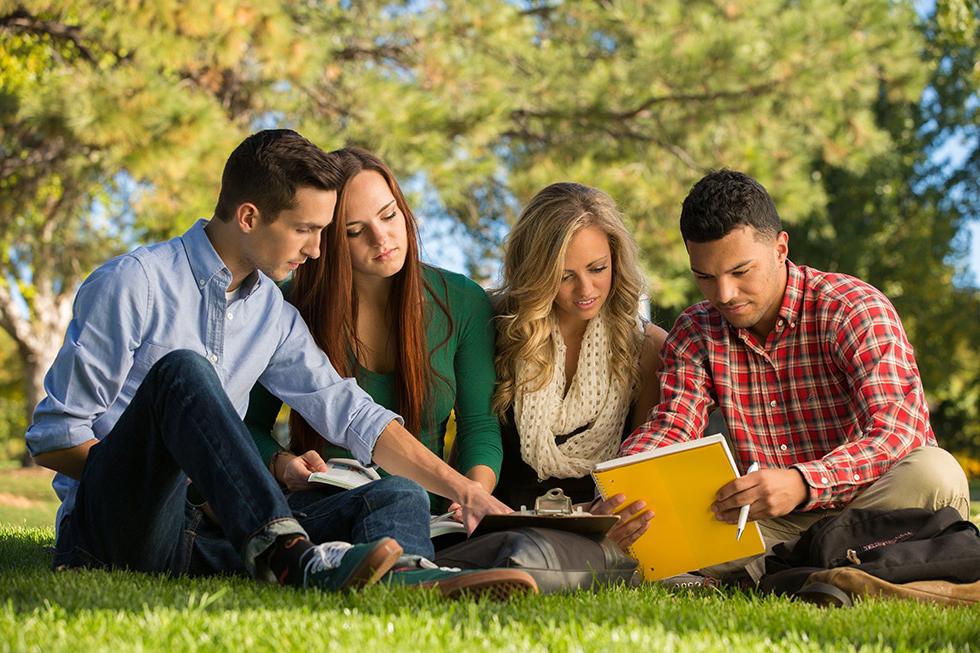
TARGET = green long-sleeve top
x,y
464,363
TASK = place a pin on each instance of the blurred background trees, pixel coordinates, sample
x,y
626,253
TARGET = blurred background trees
x,y
859,116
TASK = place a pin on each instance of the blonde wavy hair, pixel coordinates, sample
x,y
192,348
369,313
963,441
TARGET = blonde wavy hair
x,y
533,266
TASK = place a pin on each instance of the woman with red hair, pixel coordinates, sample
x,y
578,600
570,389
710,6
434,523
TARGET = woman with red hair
x,y
417,338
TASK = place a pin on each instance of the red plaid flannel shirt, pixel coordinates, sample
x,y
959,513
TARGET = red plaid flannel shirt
x,y
834,391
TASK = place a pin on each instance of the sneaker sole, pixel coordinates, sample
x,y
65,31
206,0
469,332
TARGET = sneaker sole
x,y
494,584
375,564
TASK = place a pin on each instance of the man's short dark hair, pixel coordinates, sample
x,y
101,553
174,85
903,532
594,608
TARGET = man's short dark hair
x,y
268,167
724,200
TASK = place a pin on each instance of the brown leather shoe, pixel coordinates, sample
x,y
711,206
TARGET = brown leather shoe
x,y
495,584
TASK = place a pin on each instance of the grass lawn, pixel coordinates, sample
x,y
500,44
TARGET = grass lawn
x,y
95,610
26,497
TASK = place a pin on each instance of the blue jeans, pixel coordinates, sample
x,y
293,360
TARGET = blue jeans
x,y
394,507
131,507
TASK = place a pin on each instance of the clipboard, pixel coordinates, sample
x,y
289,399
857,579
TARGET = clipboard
x,y
584,524
551,510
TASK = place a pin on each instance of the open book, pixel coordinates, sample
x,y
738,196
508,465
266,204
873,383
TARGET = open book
x,y
678,482
445,524
348,474
345,473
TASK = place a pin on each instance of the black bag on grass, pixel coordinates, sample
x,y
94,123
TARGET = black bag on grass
x,y
560,561
936,554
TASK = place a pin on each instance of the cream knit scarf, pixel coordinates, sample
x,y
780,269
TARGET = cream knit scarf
x,y
594,400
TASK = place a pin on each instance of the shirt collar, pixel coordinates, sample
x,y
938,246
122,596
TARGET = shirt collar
x,y
789,310
206,264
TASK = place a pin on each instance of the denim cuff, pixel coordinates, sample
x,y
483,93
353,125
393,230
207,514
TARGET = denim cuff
x,y
260,542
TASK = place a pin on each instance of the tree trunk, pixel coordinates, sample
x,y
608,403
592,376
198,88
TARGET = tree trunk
x,y
35,367
37,341
26,461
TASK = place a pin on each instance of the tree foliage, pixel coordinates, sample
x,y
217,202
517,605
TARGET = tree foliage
x,y
12,417
115,118
113,124
900,223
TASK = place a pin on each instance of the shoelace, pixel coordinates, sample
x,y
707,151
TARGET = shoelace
x,y
325,556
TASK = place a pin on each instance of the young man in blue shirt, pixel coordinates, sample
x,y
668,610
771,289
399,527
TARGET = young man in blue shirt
x,y
148,391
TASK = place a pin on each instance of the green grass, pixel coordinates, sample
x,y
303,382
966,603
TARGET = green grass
x,y
26,497
83,610
120,611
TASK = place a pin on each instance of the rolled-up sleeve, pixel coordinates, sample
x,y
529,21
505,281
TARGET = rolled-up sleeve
x,y
94,361
302,376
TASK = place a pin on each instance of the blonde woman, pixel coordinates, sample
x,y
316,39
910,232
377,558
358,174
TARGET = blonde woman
x,y
576,367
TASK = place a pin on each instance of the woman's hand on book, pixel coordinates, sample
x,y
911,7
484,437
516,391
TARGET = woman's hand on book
x,y
456,511
294,471
634,519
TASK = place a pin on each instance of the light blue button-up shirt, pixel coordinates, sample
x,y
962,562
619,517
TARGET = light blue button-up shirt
x,y
140,306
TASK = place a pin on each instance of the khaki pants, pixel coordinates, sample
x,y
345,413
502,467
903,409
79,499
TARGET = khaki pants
x,y
928,477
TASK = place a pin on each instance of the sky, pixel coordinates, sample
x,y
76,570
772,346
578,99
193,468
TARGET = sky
x,y
972,276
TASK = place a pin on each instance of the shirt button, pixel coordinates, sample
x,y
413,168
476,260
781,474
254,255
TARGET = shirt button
x,y
229,315
201,282
773,403
857,477
783,447
824,480
213,358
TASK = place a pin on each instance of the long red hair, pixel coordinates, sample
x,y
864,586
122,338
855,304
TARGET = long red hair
x,y
323,292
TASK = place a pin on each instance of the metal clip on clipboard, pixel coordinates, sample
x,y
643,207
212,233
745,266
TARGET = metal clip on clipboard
x,y
553,502
553,509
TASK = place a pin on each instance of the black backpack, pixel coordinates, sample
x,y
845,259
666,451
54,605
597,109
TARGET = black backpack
x,y
896,547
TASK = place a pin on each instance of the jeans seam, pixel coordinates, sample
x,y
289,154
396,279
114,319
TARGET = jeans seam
x,y
190,536
367,515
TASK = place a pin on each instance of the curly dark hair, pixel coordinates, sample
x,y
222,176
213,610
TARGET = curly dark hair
x,y
724,200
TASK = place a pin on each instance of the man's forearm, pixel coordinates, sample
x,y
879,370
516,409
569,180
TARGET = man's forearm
x,y
400,454
70,461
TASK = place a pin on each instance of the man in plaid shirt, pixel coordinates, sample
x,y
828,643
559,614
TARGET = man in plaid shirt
x,y
811,370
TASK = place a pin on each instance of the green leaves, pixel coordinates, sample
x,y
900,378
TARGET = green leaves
x,y
116,117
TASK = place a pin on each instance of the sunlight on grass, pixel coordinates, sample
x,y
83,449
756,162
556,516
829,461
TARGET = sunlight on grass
x,y
122,611
91,609
26,497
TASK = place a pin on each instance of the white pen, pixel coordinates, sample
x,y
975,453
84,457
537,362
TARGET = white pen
x,y
743,512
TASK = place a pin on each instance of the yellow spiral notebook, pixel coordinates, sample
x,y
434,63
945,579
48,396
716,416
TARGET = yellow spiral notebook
x,y
678,482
